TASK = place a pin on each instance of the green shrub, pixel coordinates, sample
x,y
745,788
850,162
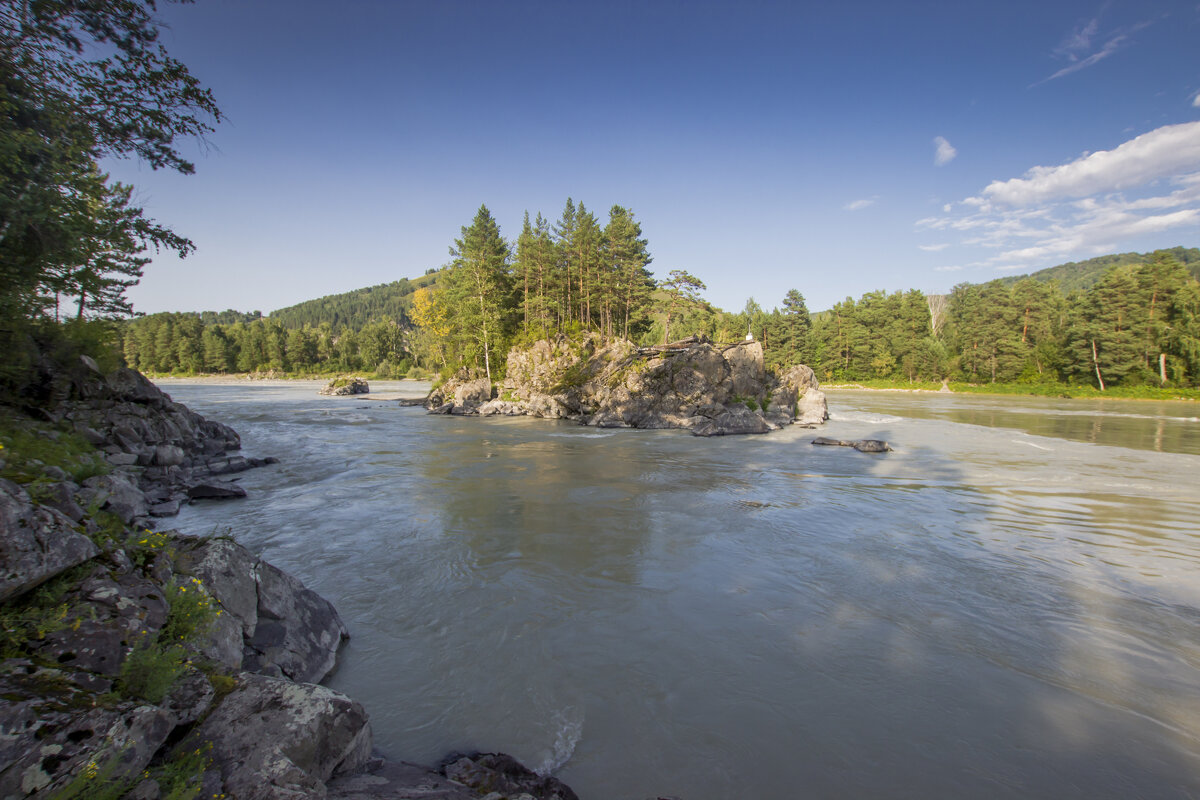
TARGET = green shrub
x,y
151,669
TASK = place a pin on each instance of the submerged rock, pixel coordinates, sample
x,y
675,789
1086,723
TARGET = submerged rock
x,y
861,445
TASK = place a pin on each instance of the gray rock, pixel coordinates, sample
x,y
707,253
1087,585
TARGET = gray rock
x,y
189,698
390,780
471,395
168,455
736,419
297,631
861,445
352,387
503,408
36,542
61,496
214,490
51,728
273,624
812,408
108,615
443,408
277,740
499,772
117,493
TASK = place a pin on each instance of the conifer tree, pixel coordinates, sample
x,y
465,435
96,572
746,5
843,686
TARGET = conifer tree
x,y
478,287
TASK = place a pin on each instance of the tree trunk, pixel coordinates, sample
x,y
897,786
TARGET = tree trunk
x,y
1096,364
1162,368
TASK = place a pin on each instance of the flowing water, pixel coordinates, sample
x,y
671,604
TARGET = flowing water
x,y
1008,605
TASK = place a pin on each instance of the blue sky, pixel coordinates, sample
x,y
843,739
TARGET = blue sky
x,y
835,148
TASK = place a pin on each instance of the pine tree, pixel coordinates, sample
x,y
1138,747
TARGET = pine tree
x,y
478,287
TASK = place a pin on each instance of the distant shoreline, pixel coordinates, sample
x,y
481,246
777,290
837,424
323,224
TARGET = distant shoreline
x,y
1060,392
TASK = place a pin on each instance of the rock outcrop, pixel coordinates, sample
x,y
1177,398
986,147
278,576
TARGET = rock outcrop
x,y
693,384
163,454
149,665
343,387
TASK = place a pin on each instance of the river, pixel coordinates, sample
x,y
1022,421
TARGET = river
x,y
1007,605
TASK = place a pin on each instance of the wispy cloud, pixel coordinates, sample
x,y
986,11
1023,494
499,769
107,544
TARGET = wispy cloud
x,y
933,248
944,152
1196,100
1089,206
858,205
1080,48
954,268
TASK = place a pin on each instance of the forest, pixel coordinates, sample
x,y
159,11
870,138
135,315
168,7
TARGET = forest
x,y
1132,320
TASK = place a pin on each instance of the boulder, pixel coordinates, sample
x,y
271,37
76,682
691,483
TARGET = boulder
x,y
861,445
298,632
36,542
274,625
471,395
273,739
501,773
812,408
215,490
343,387
117,493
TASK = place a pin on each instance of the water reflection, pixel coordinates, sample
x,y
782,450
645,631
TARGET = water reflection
x,y
1170,427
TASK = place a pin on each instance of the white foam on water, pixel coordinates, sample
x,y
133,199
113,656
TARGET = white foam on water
x,y
862,416
568,725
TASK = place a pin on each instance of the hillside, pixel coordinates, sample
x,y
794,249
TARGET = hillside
x,y
1080,275
356,308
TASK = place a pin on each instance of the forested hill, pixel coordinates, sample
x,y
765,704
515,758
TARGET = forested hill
x,y
356,308
1082,275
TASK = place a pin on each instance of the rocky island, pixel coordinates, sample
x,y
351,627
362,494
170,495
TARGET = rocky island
x,y
144,664
692,384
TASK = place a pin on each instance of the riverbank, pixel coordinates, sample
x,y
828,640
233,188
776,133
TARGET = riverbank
x,y
146,664
1062,390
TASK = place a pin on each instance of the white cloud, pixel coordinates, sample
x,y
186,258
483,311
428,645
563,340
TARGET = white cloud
x,y
944,152
933,248
1158,154
1100,203
947,269
1196,100
858,205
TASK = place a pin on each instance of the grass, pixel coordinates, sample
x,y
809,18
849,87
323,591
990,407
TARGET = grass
x,y
154,665
28,447
35,615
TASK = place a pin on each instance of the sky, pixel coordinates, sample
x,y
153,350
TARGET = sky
x,y
835,148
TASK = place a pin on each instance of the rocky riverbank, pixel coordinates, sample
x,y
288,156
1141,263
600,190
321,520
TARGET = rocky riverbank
x,y
693,384
151,665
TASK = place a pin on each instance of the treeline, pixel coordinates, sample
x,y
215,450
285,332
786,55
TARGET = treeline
x,y
1139,325
186,343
